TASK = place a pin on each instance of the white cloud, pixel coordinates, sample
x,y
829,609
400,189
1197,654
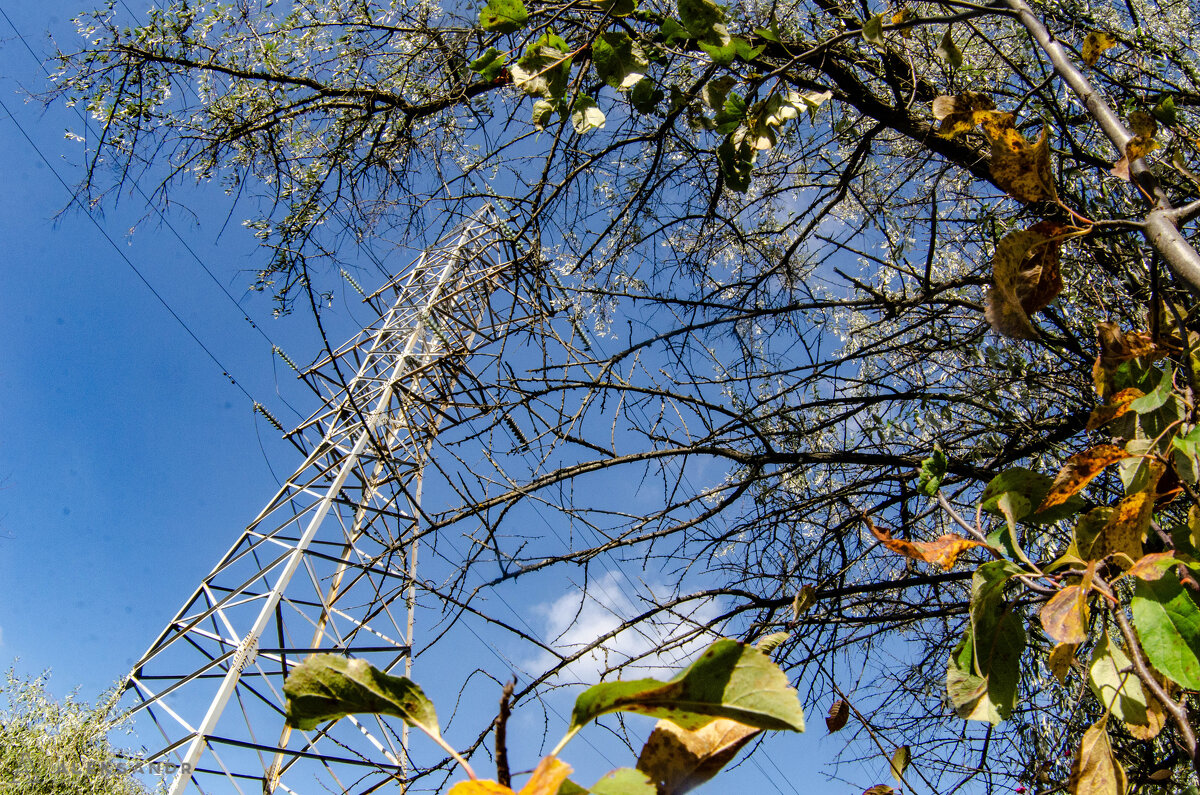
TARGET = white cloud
x,y
658,646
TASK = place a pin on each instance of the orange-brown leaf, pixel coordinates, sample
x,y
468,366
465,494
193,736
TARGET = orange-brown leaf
x,y
879,789
1020,167
547,777
942,552
1079,470
1103,415
1094,44
1065,616
1152,566
839,715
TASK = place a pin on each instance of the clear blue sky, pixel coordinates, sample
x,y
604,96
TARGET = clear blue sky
x,y
128,462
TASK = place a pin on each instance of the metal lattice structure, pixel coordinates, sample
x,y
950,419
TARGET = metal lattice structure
x,y
329,565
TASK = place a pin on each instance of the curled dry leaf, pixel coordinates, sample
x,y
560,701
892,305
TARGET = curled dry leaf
x,y
942,552
839,715
1079,470
1118,347
1025,278
678,760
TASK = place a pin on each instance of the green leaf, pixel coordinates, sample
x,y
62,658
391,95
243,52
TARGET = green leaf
x,y
1158,396
768,34
327,687
544,69
586,116
715,92
949,52
731,114
490,64
1032,487
624,781
1186,455
967,690
618,8
1118,689
704,20
737,160
1165,111
728,680
872,30
1168,625
998,634
543,112
620,61
672,31
933,469
569,787
645,96
503,16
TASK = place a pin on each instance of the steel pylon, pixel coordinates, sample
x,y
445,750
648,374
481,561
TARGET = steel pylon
x,y
329,565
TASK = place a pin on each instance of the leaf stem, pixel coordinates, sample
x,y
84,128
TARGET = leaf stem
x,y
437,738
1178,710
566,739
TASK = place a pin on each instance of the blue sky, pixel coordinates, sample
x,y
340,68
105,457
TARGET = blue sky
x,y
128,461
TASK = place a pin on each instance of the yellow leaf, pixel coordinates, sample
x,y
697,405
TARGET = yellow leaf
x,y
806,597
1021,168
547,777
1065,616
1103,415
879,789
678,760
1095,772
902,16
962,112
1094,44
1062,657
1142,124
479,786
1079,470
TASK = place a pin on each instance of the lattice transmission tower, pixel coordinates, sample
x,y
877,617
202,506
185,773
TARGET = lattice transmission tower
x,y
329,565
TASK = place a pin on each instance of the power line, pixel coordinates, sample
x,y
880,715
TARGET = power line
x,y
166,222
75,200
